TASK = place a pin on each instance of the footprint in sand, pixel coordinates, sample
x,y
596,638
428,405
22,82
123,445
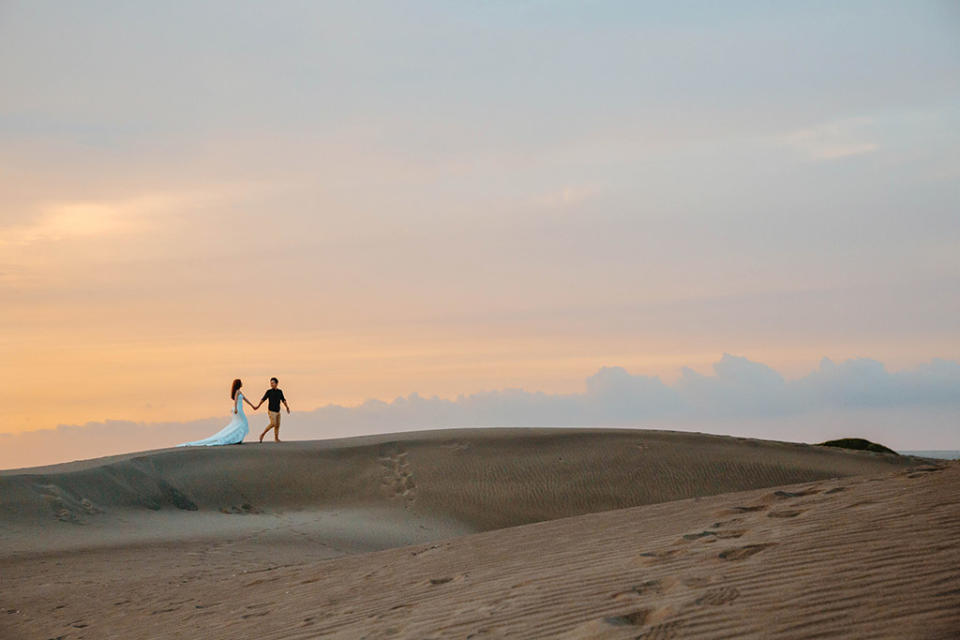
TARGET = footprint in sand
x,y
730,533
741,553
695,582
662,631
795,494
397,481
750,508
66,515
66,505
645,588
460,577
262,581
785,513
635,618
257,614
713,536
715,532
431,549
717,525
718,596
698,536
656,557
243,509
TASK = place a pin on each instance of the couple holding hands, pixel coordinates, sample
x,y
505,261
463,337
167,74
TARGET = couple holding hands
x,y
237,429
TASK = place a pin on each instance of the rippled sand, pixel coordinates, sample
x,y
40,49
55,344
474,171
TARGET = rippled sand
x,y
417,536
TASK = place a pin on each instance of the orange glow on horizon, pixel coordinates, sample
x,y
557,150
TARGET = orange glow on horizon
x,y
146,380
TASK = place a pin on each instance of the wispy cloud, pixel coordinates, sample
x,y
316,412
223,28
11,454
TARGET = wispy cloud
x,y
911,409
832,140
63,221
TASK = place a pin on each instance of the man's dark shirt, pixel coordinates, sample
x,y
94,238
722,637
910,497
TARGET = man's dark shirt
x,y
275,396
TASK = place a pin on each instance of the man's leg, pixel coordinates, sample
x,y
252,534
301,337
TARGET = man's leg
x,y
275,420
273,423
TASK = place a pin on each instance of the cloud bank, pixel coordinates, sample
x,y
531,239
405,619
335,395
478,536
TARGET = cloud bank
x,y
911,409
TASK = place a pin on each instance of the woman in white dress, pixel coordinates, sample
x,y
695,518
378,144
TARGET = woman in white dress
x,y
236,431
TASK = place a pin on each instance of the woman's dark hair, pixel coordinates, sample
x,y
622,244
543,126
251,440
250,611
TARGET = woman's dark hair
x,y
233,390
274,380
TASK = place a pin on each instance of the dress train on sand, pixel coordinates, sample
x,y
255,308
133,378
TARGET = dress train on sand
x,y
233,433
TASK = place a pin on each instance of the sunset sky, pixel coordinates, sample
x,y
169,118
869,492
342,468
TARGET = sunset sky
x,y
373,199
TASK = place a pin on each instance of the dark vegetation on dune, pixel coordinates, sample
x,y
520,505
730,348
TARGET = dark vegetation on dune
x,y
858,444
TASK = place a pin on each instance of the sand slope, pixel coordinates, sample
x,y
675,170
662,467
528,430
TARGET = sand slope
x,y
451,482
864,556
873,557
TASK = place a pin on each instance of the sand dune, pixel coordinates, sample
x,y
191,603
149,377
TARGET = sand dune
x,y
472,479
255,541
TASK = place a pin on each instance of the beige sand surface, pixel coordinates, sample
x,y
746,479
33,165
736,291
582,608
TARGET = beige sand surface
x,y
113,548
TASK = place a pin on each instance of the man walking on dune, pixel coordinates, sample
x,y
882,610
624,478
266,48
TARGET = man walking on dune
x,y
274,397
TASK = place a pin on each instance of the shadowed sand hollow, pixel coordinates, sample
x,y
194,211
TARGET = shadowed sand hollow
x,y
278,541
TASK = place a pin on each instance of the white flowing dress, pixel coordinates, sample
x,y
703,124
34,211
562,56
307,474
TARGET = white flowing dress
x,y
233,433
